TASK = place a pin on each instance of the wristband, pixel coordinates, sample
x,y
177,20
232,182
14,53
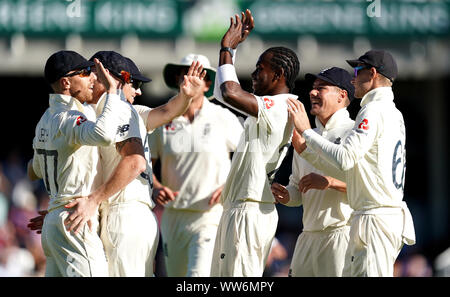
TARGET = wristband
x,y
228,49
227,72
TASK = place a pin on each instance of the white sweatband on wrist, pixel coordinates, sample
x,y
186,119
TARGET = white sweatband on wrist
x,y
227,72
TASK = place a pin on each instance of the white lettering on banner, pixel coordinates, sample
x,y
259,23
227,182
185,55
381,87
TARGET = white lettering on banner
x,y
73,10
113,17
310,17
374,9
433,18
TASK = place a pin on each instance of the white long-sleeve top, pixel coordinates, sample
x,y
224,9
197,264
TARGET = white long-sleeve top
x,y
65,146
373,154
322,209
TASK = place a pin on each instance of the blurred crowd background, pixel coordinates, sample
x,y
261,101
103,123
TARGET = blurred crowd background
x,y
323,33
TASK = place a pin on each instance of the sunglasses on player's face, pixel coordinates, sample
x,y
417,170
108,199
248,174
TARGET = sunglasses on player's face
x,y
358,68
136,84
82,73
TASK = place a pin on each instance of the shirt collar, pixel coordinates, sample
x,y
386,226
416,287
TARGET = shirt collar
x,y
198,113
65,100
334,120
378,94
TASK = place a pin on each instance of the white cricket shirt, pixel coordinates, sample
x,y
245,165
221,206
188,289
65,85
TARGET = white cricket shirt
x,y
322,209
65,146
195,157
140,189
260,151
373,154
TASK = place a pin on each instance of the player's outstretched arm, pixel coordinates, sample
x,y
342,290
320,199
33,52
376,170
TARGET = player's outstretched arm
x,y
227,83
191,86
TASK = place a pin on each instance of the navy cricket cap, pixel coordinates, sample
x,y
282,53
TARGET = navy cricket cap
x,y
62,62
336,76
383,62
113,61
135,72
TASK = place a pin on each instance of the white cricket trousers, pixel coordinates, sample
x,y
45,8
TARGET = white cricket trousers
x,y
129,232
69,254
188,240
320,253
243,240
375,242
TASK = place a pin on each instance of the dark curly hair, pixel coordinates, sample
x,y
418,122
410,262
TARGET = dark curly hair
x,y
286,59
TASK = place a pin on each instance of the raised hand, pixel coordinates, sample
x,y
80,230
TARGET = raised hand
x,y
103,76
239,29
247,24
193,83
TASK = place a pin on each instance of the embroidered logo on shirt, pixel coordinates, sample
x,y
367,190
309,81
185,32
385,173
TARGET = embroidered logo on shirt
x,y
43,135
269,103
207,129
364,124
80,120
170,127
123,129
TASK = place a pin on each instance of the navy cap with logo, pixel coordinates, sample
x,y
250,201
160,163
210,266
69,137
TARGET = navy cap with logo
x,y
135,72
383,62
336,76
113,61
62,62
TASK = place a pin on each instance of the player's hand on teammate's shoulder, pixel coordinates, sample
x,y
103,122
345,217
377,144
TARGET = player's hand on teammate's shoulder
x,y
280,193
298,114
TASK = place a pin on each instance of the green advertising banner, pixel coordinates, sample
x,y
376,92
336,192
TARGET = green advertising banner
x,y
209,19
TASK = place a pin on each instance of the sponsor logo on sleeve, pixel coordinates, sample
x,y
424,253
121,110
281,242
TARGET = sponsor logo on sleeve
x,y
122,129
80,120
364,124
268,103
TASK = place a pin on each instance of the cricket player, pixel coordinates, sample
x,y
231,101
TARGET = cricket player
x,y
66,157
249,220
321,247
373,158
194,150
129,228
